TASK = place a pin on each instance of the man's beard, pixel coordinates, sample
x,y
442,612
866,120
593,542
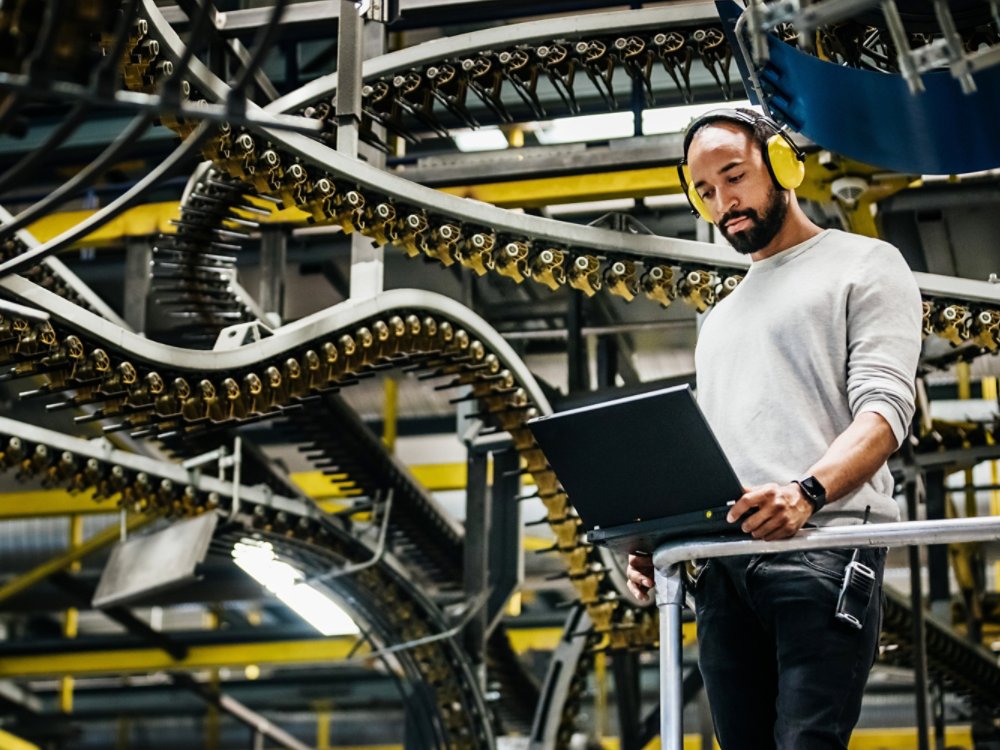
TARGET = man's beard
x,y
762,229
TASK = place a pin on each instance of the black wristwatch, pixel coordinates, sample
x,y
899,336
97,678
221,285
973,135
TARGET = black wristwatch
x,y
813,491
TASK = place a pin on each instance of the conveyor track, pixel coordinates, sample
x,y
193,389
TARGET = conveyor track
x,y
964,667
382,595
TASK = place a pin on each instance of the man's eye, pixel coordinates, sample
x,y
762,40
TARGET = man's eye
x,y
707,194
735,178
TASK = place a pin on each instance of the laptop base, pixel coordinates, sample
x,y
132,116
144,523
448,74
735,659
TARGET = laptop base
x,y
643,537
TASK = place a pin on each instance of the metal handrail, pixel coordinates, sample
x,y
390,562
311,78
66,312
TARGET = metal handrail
x,y
670,586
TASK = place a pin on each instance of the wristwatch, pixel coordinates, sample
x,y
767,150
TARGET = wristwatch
x,y
813,491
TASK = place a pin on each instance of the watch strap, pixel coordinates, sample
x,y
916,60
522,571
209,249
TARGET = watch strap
x,y
812,491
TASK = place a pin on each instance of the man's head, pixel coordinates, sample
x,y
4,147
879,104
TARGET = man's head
x,y
730,160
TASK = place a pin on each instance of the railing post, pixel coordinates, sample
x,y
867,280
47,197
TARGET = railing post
x,y
669,600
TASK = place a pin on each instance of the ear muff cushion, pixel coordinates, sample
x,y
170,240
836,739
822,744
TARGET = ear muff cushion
x,y
699,204
787,169
692,195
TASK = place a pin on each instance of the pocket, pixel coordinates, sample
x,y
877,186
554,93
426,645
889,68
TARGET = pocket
x,y
696,573
829,562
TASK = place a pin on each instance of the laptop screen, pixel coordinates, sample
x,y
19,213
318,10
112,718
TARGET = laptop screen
x,y
637,458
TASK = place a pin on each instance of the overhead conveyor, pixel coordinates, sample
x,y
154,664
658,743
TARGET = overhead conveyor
x,y
282,156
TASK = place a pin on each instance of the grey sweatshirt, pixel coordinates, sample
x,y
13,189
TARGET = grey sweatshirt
x,y
812,337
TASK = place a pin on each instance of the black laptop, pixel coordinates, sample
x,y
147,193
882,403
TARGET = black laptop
x,y
641,470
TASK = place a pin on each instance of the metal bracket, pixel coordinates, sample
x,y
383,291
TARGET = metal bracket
x,y
225,460
241,334
375,558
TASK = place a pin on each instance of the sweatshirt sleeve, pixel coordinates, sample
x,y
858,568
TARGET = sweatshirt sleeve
x,y
883,338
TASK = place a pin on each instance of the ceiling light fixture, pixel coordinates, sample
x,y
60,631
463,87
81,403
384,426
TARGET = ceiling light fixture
x,y
258,560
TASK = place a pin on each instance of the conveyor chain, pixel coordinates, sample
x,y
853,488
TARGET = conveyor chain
x,y
194,269
44,274
420,534
382,593
867,42
964,667
404,102
332,189
440,684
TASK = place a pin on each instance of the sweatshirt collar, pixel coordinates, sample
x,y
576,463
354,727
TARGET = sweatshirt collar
x,y
779,259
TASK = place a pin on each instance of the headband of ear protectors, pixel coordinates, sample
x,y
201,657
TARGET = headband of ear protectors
x,y
784,160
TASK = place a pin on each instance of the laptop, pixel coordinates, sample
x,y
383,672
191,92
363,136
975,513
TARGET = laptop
x,y
641,470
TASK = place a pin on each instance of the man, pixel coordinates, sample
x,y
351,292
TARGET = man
x,y
806,373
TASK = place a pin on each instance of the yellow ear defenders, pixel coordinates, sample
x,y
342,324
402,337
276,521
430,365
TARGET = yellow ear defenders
x,y
784,160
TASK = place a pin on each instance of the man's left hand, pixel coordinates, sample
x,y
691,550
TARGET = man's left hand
x,y
781,510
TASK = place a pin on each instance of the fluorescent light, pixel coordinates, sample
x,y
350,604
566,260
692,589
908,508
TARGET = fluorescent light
x,y
483,139
258,560
586,128
606,206
676,119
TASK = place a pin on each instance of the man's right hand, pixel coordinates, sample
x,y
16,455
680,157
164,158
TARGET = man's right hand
x,y
640,576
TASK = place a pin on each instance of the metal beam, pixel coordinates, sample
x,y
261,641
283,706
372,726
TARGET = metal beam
x,y
146,660
548,191
261,726
9,741
500,37
43,503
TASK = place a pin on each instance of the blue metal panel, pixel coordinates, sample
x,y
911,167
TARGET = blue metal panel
x,y
873,117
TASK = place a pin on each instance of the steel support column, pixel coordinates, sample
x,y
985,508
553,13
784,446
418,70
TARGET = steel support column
x,y
138,257
576,346
273,272
476,553
506,561
914,496
939,593
367,261
628,698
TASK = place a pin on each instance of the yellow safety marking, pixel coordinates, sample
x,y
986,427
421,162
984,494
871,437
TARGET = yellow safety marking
x,y
326,489
141,221
100,540
145,660
40,503
548,191
958,737
320,486
9,741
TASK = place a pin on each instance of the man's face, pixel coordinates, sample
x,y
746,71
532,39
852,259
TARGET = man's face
x,y
728,171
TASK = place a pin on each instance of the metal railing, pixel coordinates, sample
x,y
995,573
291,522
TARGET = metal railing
x,y
670,586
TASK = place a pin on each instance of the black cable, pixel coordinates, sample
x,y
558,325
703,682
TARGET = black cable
x,y
262,43
135,130
103,79
113,209
65,129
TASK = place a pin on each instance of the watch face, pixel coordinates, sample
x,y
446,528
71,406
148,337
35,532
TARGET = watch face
x,y
812,486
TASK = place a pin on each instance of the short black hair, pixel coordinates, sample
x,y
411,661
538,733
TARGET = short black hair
x,y
759,133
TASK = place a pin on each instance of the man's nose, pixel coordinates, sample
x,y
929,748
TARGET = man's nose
x,y
725,201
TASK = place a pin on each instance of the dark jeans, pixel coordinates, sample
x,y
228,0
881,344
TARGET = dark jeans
x,y
780,671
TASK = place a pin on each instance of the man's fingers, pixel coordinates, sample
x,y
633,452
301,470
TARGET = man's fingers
x,y
639,578
738,509
774,528
642,563
638,593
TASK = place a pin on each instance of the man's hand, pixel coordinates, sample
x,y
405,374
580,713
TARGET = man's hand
x,y
640,576
781,510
